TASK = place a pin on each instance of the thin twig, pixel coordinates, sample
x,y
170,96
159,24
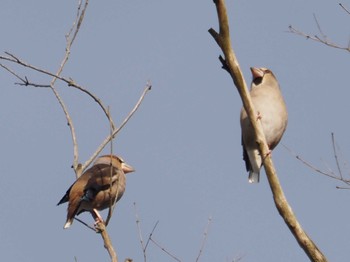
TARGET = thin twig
x,y
317,39
340,187
164,250
151,234
322,38
312,167
112,204
116,131
85,224
319,28
13,73
70,82
316,169
336,156
138,223
58,73
345,9
150,239
204,239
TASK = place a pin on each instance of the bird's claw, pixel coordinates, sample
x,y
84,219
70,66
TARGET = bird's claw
x,y
259,116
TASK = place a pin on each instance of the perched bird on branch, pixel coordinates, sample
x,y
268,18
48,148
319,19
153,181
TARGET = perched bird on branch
x,y
98,188
272,112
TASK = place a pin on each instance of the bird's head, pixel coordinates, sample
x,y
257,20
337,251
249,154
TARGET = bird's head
x,y
116,161
261,75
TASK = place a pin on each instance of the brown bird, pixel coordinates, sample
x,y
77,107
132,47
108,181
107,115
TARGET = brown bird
x,y
271,108
92,191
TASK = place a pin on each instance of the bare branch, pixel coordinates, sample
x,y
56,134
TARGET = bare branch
x,y
322,38
317,39
204,239
107,241
24,81
319,28
70,82
164,250
314,168
111,204
150,239
80,17
336,156
151,234
282,205
344,8
116,131
140,234
78,168
85,224
330,173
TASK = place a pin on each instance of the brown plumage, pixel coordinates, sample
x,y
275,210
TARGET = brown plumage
x,y
92,191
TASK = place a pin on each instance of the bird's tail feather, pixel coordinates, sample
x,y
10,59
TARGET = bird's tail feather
x,y
253,177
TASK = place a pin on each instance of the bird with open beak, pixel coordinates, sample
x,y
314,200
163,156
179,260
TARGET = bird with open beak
x,y
272,112
99,187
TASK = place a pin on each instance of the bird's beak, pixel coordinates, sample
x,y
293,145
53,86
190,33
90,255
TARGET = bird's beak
x,y
127,168
257,72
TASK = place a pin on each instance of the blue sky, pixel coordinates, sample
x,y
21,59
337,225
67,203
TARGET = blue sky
x,y
185,139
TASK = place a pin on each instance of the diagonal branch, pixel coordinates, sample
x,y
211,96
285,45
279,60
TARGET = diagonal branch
x,y
284,209
70,82
116,131
323,37
107,241
204,239
330,173
344,8
143,246
74,29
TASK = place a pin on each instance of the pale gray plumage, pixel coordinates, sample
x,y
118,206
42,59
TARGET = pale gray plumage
x,y
271,109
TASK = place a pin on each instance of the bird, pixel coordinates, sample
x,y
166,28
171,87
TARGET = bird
x,y
99,187
270,106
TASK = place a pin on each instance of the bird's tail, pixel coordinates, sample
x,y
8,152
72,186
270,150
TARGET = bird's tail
x,y
68,223
255,165
253,177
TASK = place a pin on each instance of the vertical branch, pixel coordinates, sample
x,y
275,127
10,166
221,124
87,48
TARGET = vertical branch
x,y
77,23
336,156
140,233
107,241
112,204
230,63
204,239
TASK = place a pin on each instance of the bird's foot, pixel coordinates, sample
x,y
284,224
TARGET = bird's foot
x,y
99,223
97,215
267,154
259,116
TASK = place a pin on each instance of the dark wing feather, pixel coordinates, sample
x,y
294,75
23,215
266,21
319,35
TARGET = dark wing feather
x,y
65,198
248,166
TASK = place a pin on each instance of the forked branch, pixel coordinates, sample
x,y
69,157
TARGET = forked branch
x,y
321,37
10,58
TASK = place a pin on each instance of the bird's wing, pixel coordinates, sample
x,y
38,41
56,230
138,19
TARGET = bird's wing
x,y
65,198
101,177
248,166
